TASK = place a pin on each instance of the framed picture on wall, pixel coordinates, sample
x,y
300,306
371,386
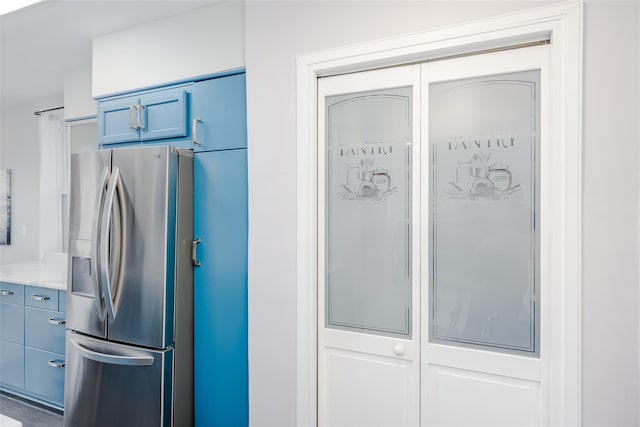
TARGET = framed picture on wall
x,y
5,206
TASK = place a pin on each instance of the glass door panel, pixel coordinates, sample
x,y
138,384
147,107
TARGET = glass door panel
x,y
484,193
368,212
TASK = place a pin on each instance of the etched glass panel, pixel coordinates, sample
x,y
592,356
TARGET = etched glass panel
x,y
368,212
484,136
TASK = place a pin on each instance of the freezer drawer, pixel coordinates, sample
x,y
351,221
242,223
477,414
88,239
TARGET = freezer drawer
x,y
109,384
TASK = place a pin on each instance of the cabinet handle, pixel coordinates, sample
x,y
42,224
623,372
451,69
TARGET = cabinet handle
x,y
194,254
40,298
194,130
131,124
56,363
139,108
57,321
5,293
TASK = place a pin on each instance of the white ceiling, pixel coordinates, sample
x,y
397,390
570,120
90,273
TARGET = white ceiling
x,y
41,43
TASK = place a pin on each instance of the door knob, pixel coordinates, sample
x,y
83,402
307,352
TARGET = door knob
x,y
398,350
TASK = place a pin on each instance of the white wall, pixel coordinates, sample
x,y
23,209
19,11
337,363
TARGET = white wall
x,y
610,236
278,31
203,41
19,151
78,102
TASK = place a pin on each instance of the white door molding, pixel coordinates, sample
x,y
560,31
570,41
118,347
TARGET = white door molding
x,y
562,24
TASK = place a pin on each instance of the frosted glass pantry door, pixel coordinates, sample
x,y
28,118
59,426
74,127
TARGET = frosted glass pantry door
x,y
483,144
368,312
484,141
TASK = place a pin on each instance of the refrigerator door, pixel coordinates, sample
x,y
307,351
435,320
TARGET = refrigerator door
x,y
90,174
109,384
140,268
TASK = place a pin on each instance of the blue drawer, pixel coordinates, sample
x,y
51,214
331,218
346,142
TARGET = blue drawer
x,y
62,301
11,364
44,374
44,329
12,323
11,293
44,298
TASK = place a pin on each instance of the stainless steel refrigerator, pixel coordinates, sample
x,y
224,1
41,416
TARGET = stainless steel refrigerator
x,y
129,343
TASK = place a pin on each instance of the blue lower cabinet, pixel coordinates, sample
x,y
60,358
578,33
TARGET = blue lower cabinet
x,y
11,364
44,374
11,293
32,342
44,298
220,288
12,323
62,301
44,329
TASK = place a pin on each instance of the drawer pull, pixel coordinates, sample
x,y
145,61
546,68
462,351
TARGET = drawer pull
x,y
40,297
57,321
56,363
5,293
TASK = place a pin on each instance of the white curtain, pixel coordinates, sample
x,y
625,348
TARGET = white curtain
x,y
53,183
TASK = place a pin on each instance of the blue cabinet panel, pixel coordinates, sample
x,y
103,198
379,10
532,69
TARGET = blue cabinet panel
x,y
221,105
12,323
11,364
11,293
220,310
117,119
44,298
163,114
44,329
62,301
44,374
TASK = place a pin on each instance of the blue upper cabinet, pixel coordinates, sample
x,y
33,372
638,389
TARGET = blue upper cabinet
x,y
148,116
206,115
163,115
219,113
117,120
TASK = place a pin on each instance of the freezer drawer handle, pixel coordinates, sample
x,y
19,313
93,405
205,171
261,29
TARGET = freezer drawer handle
x,y
57,321
40,297
5,293
135,359
194,253
56,363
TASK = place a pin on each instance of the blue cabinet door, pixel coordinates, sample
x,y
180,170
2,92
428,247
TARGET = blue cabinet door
x,y
220,289
221,105
44,329
11,364
163,114
117,120
44,375
11,293
12,323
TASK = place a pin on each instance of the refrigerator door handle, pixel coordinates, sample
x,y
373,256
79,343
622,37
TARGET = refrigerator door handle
x,y
134,358
95,242
111,298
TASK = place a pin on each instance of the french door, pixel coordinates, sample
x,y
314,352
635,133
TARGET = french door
x,y
433,303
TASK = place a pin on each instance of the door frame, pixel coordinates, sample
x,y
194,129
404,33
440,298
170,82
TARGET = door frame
x,y
562,24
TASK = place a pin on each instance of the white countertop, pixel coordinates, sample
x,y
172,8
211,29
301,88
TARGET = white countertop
x,y
36,273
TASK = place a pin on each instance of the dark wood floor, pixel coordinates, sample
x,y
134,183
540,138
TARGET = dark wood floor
x,y
30,415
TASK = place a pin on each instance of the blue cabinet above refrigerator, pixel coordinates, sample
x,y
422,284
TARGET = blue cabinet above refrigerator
x,y
148,116
203,115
